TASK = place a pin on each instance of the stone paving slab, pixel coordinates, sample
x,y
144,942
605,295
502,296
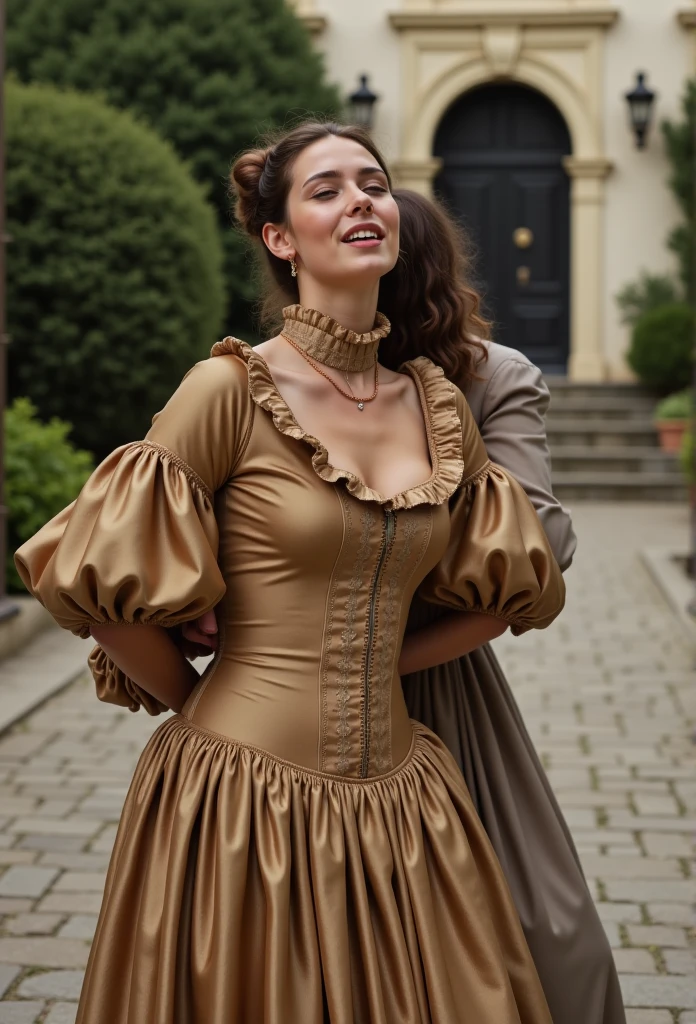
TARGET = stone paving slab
x,y
609,697
51,662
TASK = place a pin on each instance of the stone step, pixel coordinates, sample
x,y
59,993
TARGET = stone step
x,y
629,407
619,459
599,432
591,486
559,386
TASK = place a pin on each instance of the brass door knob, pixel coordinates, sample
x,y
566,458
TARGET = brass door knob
x,y
523,275
523,237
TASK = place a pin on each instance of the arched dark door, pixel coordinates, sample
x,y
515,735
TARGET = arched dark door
x,y
502,176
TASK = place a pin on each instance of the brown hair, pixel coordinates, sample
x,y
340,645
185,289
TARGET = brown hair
x,y
433,311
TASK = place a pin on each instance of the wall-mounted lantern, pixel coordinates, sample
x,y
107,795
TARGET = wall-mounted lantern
x,y
640,104
361,104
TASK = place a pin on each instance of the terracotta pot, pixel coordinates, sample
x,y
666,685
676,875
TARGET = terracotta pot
x,y
671,433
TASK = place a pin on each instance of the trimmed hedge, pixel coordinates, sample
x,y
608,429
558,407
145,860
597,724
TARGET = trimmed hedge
x,y
44,472
661,351
207,74
114,271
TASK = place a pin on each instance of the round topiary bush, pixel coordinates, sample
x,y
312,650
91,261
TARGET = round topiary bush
x,y
661,351
44,472
114,269
207,74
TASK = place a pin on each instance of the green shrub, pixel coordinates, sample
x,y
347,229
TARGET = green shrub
x,y
680,147
674,407
207,74
649,292
661,347
114,270
43,474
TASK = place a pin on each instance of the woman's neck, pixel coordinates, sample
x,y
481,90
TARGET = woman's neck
x,y
355,310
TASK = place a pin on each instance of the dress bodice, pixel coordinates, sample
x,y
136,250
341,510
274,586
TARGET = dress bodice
x,y
229,500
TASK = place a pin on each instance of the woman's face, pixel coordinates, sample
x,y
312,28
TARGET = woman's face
x,y
342,221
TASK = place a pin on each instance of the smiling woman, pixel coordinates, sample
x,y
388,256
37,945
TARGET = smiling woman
x,y
293,847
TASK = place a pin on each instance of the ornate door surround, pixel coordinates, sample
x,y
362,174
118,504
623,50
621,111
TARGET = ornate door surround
x,y
554,47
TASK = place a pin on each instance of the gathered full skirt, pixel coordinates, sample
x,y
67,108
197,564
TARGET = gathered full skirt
x,y
246,890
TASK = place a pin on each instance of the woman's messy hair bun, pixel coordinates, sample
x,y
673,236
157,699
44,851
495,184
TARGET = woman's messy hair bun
x,y
245,179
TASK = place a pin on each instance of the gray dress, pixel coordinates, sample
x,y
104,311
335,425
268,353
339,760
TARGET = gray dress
x,y
469,704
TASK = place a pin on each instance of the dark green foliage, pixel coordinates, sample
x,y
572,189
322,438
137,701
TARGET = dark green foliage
x,y
661,347
114,270
207,74
676,406
679,141
43,474
647,293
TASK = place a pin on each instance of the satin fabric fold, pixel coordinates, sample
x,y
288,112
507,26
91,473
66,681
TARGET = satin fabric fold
x,y
254,890
498,560
138,546
114,687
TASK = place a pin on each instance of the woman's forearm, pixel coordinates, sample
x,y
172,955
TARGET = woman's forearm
x,y
151,659
450,637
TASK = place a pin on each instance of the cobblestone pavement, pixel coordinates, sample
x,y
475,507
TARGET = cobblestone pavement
x,y
609,696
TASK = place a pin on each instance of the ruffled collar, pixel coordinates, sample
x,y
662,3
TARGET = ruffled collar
x,y
443,426
326,341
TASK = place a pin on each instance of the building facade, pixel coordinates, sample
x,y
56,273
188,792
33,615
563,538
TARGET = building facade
x,y
513,111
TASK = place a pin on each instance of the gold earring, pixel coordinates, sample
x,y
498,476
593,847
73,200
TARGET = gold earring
x,y
293,267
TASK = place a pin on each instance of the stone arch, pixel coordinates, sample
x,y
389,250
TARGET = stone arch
x,y
451,84
587,168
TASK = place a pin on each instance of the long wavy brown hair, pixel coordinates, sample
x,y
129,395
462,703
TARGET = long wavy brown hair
x,y
434,312
433,309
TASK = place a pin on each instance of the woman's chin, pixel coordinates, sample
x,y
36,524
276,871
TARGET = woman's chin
x,y
370,264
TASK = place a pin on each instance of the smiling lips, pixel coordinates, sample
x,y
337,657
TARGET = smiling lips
x,y
365,237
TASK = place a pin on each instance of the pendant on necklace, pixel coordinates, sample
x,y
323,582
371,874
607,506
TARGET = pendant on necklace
x,y
361,406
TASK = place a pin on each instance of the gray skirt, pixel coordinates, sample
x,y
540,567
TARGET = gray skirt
x,y
470,706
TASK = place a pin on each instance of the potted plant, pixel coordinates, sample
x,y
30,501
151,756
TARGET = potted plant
x,y
672,418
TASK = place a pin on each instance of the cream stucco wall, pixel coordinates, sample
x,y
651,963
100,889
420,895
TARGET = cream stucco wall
x,y
622,207
358,39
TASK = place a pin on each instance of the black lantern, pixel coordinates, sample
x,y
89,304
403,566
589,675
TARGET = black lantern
x,y
362,104
640,104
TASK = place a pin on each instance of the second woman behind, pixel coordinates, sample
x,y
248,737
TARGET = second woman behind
x,y
468,702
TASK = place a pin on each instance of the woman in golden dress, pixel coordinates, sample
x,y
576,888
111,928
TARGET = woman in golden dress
x,y
293,847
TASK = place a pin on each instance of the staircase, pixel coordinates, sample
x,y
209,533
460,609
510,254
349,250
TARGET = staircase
x,y
604,446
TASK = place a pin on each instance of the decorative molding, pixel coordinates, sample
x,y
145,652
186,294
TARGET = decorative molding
x,y
314,23
501,47
687,17
576,17
577,167
416,174
558,53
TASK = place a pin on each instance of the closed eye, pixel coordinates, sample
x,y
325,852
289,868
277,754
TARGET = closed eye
x,y
329,192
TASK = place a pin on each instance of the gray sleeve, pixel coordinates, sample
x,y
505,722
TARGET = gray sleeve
x,y
513,427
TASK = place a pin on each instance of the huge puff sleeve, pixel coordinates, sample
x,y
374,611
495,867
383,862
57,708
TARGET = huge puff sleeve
x,y
139,545
498,560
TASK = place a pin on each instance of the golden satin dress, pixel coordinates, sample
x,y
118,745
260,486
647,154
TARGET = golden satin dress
x,y
293,848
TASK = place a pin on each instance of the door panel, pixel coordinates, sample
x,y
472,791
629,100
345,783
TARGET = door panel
x,y
502,148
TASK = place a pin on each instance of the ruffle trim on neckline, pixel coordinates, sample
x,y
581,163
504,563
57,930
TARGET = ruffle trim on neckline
x,y
443,426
